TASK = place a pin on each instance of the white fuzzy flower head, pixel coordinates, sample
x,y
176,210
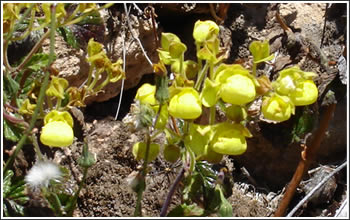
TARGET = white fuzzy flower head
x,y
42,173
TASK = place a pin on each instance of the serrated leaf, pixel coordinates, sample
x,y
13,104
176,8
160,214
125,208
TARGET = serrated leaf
x,y
7,182
38,61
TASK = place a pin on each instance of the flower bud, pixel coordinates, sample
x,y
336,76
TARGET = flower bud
x,y
171,153
186,104
139,151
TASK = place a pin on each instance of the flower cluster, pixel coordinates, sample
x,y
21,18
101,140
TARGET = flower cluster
x,y
230,85
293,87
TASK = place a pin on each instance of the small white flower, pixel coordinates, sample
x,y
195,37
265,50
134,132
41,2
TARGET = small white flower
x,y
42,173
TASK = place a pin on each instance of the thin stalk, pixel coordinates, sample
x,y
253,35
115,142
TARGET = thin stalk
x,y
171,193
58,103
103,84
90,74
43,88
199,61
36,147
254,69
143,177
201,76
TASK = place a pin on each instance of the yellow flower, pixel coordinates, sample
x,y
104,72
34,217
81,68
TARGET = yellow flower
x,y
204,30
58,129
238,90
237,85
297,85
277,108
146,94
57,87
305,94
27,108
186,104
229,139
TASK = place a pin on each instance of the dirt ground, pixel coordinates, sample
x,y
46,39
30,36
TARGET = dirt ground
x,y
269,162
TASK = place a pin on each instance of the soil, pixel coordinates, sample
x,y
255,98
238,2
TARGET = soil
x,y
262,173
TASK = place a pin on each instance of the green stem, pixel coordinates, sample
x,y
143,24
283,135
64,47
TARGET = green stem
x,y
99,87
36,147
211,70
43,88
58,103
90,74
201,77
254,69
198,47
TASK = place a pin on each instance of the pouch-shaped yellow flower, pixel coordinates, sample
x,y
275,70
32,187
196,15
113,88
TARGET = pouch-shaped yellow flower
x,y
237,85
57,134
186,104
58,129
277,108
229,139
238,90
203,30
305,94
146,94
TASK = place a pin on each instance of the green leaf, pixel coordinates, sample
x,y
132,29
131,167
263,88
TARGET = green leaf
x,y
14,195
68,36
10,85
7,182
304,123
38,61
12,132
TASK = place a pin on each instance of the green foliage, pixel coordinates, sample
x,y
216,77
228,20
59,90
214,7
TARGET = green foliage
x,y
14,196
